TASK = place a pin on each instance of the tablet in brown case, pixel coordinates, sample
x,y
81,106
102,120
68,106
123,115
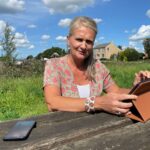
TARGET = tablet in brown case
x,y
141,106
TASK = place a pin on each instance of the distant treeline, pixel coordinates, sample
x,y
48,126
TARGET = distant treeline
x,y
50,52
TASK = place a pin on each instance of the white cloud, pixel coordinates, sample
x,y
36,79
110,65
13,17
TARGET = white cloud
x,y
32,26
2,25
11,6
136,45
97,20
12,28
31,47
124,47
148,13
101,38
98,40
19,35
45,37
35,10
64,22
143,32
22,41
126,31
133,30
66,6
132,44
61,38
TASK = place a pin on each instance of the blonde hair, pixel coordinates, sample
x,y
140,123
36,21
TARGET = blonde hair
x,y
83,21
89,23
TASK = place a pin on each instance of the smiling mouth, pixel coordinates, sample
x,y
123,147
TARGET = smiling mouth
x,y
82,52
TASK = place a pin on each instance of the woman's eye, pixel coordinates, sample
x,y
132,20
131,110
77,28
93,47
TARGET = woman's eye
x,y
89,42
80,40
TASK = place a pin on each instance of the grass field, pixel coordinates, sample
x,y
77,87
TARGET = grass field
x,y
123,72
23,97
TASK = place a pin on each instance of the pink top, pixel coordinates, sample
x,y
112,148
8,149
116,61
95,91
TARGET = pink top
x,y
57,72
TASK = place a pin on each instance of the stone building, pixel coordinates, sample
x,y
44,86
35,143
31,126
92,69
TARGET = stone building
x,y
105,51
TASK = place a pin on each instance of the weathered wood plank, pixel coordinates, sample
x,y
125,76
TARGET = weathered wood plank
x,y
131,137
57,129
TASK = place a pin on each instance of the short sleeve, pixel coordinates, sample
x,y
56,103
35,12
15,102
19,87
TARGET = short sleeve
x,y
107,79
51,73
103,75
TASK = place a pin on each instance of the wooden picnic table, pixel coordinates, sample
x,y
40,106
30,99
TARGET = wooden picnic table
x,y
80,131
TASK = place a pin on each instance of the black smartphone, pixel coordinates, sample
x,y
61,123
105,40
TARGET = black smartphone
x,y
20,131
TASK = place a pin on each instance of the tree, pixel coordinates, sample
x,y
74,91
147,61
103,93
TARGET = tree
x,y
7,43
146,44
121,56
120,47
129,54
49,52
30,57
141,55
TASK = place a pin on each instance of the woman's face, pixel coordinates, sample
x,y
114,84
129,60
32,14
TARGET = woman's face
x,y
81,42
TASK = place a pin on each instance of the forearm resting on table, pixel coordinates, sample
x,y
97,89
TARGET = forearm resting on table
x,y
57,102
70,104
65,104
114,88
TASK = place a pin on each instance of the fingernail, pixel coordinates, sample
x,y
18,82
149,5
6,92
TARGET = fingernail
x,y
128,113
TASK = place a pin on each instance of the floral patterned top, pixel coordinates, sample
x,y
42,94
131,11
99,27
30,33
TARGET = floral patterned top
x,y
57,72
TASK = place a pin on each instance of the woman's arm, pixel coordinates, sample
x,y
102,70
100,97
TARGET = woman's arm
x,y
111,102
114,88
55,101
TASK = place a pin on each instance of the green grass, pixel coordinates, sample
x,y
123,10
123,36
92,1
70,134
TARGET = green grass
x,y
23,97
124,72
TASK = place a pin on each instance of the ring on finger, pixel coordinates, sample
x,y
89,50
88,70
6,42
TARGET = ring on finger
x,y
118,113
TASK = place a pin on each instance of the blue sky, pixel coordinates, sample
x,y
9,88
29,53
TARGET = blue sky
x,y
41,24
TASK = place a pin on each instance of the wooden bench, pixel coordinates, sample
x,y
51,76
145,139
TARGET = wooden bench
x,y
80,131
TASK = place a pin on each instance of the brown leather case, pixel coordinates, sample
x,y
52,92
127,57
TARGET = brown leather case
x,y
141,106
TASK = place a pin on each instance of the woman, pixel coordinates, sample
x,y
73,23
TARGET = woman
x,y
76,81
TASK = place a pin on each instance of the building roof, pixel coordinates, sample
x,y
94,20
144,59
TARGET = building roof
x,y
101,45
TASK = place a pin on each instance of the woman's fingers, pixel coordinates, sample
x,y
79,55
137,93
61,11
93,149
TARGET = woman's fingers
x,y
122,111
117,103
122,103
128,113
141,76
144,75
125,105
123,97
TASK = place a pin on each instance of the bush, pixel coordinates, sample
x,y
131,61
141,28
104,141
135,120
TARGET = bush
x,y
129,54
27,68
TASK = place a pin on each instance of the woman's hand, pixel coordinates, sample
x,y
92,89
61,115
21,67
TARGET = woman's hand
x,y
113,103
141,76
